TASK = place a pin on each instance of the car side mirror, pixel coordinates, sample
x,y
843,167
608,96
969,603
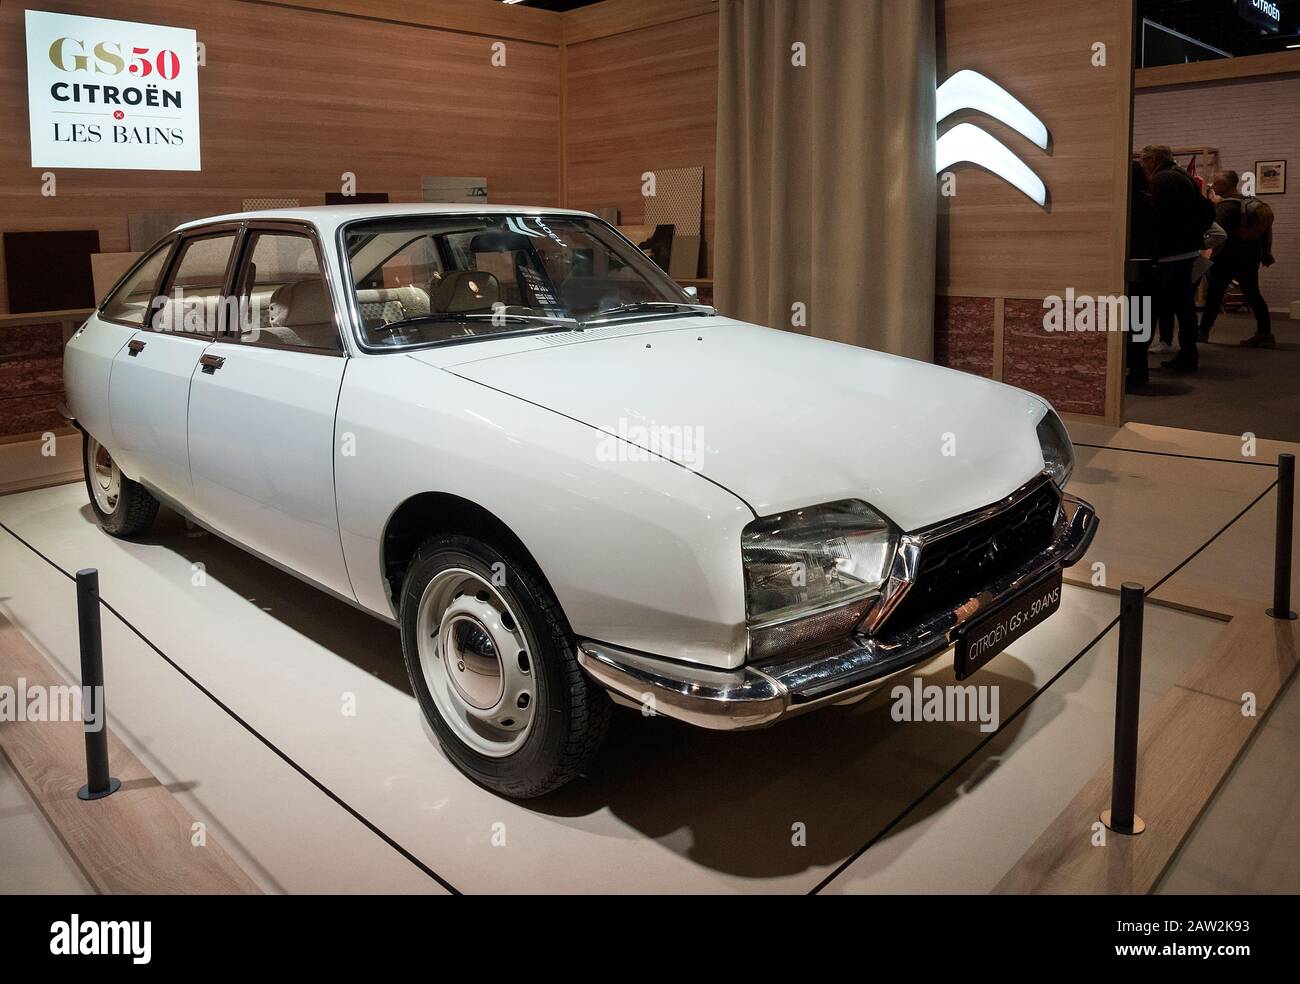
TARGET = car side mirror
x,y
692,292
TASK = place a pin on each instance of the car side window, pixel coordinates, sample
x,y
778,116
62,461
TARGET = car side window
x,y
129,303
193,297
284,299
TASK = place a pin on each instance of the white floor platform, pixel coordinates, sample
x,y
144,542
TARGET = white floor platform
x,y
666,808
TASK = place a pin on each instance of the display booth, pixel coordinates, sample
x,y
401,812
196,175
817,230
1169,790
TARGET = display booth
x,y
619,448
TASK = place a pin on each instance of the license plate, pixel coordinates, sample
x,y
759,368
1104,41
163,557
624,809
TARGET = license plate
x,y
988,635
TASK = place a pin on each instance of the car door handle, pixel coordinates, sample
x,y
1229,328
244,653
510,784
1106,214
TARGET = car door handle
x,y
211,363
135,346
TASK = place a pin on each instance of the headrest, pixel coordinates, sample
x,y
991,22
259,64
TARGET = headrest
x,y
306,302
465,290
413,299
497,241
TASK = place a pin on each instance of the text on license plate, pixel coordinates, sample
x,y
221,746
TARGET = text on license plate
x,y
983,639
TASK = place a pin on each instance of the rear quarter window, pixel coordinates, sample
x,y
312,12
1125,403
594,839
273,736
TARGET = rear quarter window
x,y
130,302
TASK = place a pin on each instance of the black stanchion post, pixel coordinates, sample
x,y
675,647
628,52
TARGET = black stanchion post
x,y
98,782
1123,793
1282,556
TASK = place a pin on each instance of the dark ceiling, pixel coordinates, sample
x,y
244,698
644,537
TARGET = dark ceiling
x,y
1217,23
557,4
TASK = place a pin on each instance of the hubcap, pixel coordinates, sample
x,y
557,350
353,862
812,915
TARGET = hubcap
x,y
105,478
476,662
473,665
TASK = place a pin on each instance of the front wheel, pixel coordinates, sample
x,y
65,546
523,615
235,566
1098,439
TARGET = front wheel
x,y
123,507
493,665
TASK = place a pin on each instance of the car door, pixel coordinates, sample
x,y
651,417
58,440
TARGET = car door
x,y
149,385
261,410
89,354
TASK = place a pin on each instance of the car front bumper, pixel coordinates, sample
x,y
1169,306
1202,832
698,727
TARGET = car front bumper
x,y
754,696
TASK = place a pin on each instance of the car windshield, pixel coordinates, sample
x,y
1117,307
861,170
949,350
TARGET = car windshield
x,y
439,279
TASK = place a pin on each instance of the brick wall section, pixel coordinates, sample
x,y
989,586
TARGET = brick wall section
x,y
1248,120
31,378
1066,368
963,334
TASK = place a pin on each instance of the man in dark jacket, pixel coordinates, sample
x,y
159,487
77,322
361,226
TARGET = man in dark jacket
x,y
1237,259
1179,224
1141,249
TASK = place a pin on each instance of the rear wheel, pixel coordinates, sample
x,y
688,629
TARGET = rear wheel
x,y
123,507
493,665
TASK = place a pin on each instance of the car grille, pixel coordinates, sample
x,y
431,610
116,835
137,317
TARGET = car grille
x,y
955,568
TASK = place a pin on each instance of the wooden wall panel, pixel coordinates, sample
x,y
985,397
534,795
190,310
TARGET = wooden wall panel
x,y
489,17
638,101
290,99
993,240
1219,70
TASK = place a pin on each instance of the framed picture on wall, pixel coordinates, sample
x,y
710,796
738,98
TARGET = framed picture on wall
x,y
1270,177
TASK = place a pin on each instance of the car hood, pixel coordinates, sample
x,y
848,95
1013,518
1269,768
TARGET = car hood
x,y
780,419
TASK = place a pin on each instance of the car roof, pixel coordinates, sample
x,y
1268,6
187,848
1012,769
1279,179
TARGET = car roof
x,y
327,218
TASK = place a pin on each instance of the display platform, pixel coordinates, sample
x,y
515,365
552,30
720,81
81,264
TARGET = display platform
x,y
319,727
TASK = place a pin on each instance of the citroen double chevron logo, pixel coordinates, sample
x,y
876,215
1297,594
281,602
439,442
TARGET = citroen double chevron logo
x,y
967,143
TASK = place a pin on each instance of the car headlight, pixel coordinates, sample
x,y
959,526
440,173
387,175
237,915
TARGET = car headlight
x,y
1058,452
812,574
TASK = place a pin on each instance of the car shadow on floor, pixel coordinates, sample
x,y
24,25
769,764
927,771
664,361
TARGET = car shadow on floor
x,y
731,802
737,802
367,642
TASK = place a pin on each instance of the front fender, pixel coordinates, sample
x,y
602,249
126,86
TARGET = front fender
x,y
641,552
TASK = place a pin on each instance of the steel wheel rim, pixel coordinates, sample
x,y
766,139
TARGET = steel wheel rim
x,y
476,662
105,477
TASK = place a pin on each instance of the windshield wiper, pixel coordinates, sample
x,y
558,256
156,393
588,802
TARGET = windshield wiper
x,y
664,307
484,316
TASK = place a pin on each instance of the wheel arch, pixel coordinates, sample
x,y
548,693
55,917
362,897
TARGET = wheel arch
x,y
427,514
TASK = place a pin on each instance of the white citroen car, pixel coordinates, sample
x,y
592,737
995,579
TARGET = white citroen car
x,y
507,431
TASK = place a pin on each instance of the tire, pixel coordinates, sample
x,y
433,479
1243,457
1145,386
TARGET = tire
x,y
465,603
123,507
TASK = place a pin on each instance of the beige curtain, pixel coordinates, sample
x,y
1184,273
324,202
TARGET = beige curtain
x,y
825,176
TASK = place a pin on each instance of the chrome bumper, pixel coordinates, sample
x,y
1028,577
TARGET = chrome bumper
x,y
757,695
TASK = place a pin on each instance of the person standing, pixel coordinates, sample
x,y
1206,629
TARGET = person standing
x,y
1249,244
1140,275
1180,216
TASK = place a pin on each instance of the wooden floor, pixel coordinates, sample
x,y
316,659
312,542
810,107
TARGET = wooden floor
x,y
1197,731
1187,746
140,839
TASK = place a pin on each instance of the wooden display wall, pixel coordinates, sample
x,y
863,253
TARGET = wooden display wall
x,y
999,253
640,94
297,92
293,98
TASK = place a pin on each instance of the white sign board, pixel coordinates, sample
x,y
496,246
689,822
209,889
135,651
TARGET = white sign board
x,y
112,94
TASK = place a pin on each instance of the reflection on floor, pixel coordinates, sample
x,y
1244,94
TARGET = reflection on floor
x,y
848,796
1249,838
1236,390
